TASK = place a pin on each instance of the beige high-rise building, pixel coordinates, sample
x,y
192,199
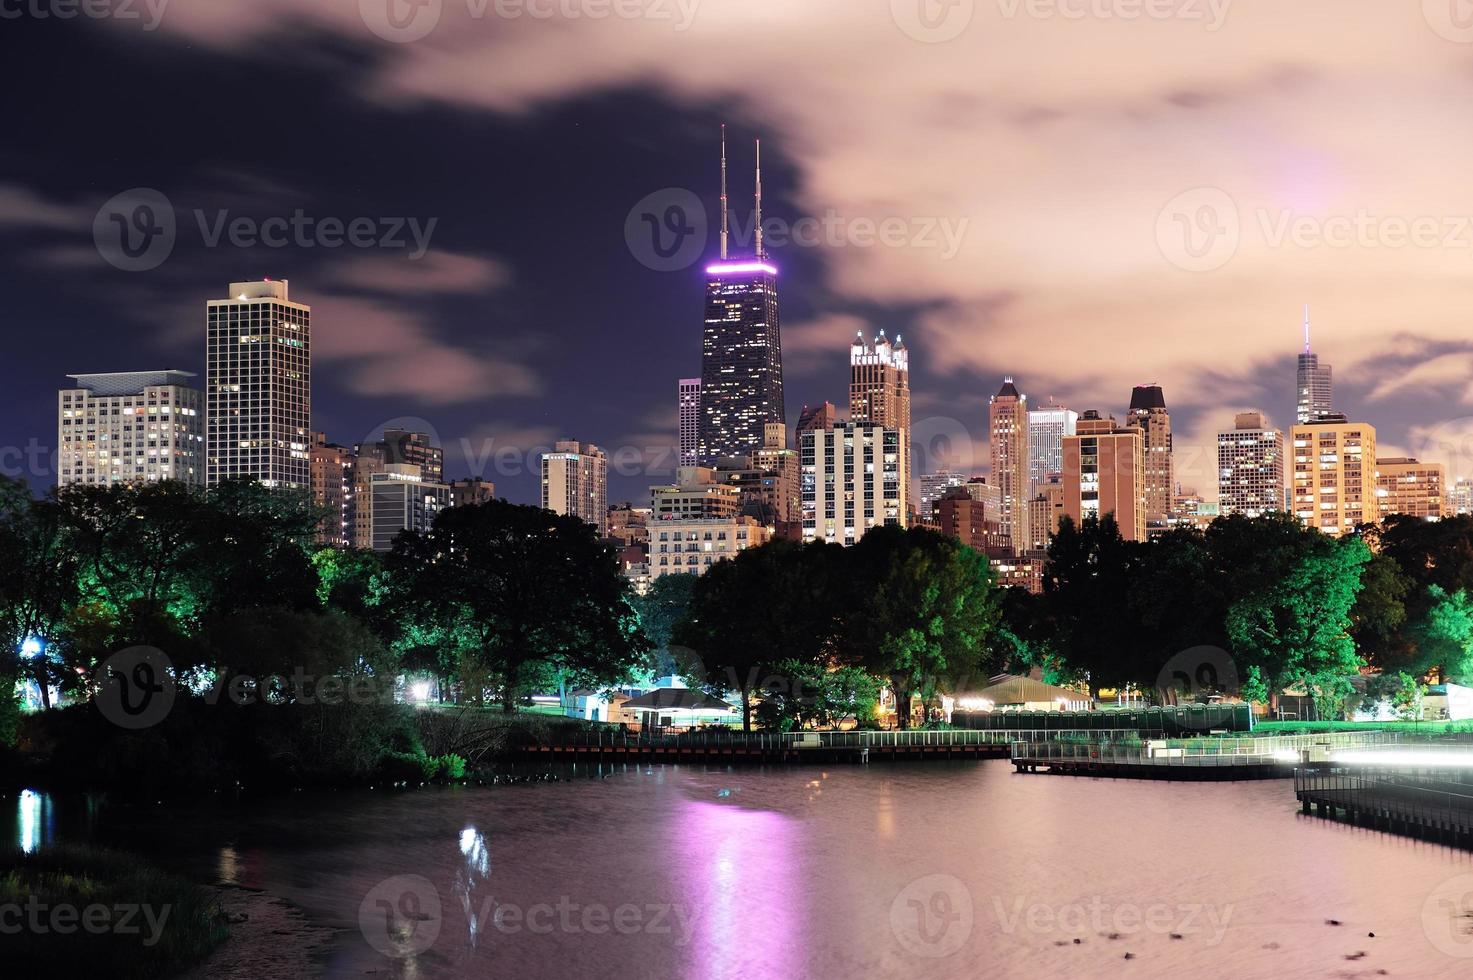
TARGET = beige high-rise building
x,y
691,546
1408,486
767,480
698,493
1007,430
851,481
1044,511
1148,413
1334,482
1250,467
133,427
575,481
1104,473
332,489
879,382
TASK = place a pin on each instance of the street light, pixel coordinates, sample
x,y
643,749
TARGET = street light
x,y
31,648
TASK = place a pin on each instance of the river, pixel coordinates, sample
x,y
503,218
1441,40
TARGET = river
x,y
922,870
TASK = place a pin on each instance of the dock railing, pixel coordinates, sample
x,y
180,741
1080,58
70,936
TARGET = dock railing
x,y
1239,751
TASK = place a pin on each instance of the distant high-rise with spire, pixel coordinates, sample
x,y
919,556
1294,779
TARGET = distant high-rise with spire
x,y
1007,430
741,348
1314,386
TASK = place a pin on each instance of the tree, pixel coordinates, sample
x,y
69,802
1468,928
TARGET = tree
x,y
819,696
1444,634
1296,630
39,587
660,610
507,590
921,610
1087,582
747,615
1380,613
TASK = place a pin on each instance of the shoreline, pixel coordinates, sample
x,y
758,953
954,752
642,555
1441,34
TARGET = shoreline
x,y
269,937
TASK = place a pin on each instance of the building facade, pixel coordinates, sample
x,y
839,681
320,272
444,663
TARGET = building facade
x,y
400,499
1044,512
1104,473
741,359
1007,429
933,486
1410,487
1250,467
1047,427
1334,481
131,427
820,416
1314,394
698,493
690,547
258,387
575,481
961,516
471,490
851,481
690,421
1148,413
332,468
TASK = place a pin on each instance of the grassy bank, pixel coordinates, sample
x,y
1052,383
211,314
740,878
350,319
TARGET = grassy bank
x,y
89,912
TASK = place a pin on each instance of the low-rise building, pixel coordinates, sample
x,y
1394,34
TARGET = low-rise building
x,y
686,546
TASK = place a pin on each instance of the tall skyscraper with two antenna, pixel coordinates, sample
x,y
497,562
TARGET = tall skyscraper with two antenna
x,y
741,347
1314,387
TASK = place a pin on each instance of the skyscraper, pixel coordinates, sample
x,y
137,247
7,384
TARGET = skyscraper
x,y
851,481
1315,391
1007,428
690,421
401,499
1250,467
575,481
130,427
1335,474
821,416
1104,473
1148,413
258,386
934,487
1411,487
879,382
1047,427
741,349
332,489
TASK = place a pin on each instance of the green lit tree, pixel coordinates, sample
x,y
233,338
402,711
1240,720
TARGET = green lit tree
x,y
1443,635
921,612
508,591
1296,629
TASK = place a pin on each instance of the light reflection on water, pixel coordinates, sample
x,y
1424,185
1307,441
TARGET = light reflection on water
x,y
795,873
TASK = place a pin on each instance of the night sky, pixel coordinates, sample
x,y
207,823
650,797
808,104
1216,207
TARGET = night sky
x,y
535,314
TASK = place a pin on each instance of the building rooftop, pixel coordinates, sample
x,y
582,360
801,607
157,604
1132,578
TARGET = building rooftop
x,y
131,382
1146,397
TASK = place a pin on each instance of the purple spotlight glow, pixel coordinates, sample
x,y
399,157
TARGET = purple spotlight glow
x,y
721,268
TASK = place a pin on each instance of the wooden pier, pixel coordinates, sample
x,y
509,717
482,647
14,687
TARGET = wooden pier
x,y
1422,799
1227,758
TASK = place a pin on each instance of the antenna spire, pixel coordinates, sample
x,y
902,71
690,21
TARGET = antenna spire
x,y
723,191
760,253
1306,328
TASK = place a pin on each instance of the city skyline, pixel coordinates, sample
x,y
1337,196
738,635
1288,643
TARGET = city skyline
x,y
477,337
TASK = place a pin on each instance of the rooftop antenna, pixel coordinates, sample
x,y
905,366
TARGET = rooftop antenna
x,y
723,191
759,199
1306,328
